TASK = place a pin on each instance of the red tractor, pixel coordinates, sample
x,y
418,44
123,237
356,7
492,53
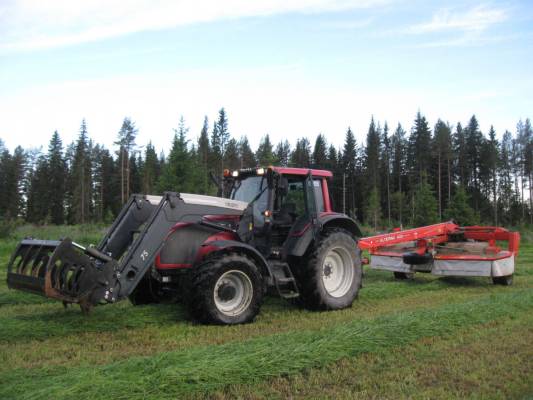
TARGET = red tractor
x,y
270,229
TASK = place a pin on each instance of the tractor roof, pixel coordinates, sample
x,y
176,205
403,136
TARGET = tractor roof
x,y
246,172
302,171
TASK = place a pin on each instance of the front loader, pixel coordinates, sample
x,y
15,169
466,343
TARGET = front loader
x,y
272,230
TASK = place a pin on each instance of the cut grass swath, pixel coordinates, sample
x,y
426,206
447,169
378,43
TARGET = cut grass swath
x,y
208,368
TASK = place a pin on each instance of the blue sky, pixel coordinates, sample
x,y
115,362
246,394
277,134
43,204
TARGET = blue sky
x,y
289,69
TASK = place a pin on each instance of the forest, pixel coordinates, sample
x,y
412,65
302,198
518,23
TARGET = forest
x,y
398,176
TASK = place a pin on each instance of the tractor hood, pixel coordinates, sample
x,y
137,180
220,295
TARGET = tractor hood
x,y
202,200
213,201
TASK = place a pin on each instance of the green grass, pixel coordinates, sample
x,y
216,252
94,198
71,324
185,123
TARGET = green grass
x,y
400,339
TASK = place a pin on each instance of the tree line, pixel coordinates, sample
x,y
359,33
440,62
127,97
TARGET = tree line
x,y
396,177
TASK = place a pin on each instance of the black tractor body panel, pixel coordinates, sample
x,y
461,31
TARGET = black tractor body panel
x,y
182,244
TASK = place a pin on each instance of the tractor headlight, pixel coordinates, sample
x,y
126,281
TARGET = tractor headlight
x,y
235,174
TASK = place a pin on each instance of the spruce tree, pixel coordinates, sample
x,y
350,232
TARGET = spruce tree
x,y
442,152
301,156
460,211
425,204
150,171
174,176
372,152
265,154
419,152
232,159
283,153
246,154
349,167
56,180
320,156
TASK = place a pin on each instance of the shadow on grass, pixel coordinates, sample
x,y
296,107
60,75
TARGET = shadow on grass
x,y
59,322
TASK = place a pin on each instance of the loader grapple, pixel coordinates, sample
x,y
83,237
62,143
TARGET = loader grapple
x,y
56,269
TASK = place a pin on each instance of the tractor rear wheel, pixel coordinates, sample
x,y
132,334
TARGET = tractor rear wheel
x,y
225,290
331,279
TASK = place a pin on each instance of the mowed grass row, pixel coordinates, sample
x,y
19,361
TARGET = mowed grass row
x,y
171,374
489,361
38,333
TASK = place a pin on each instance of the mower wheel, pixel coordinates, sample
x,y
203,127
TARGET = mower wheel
x,y
331,278
225,290
401,276
503,280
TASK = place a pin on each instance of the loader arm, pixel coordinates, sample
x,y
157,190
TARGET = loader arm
x,y
69,272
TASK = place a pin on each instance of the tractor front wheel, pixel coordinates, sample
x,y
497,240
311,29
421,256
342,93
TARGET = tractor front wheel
x,y
225,290
331,279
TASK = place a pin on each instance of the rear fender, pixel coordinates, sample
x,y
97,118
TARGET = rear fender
x,y
224,246
341,221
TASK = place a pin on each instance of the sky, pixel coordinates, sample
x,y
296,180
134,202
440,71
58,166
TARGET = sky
x,y
287,68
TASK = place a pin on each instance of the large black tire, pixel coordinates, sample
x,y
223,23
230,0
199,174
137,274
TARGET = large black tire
x,y
219,282
335,253
503,280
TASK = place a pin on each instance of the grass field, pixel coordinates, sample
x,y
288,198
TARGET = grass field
x,y
429,338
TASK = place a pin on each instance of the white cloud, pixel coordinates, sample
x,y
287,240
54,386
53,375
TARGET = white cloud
x,y
477,19
35,24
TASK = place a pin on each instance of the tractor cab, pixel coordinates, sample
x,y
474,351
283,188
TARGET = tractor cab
x,y
284,203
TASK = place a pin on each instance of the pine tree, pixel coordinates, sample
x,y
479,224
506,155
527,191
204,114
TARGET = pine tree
x,y
399,149
232,159
12,173
301,156
419,153
320,156
204,155
126,142
461,154
219,139
174,176
56,179
474,144
442,151
488,173
105,188
246,154
349,166
283,153
37,193
80,180
264,154
385,172
425,204
460,211
372,152
373,209
150,171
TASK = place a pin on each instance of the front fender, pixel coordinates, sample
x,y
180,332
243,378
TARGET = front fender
x,y
222,246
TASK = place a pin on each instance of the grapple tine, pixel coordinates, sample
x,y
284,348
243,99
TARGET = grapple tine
x,y
57,269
